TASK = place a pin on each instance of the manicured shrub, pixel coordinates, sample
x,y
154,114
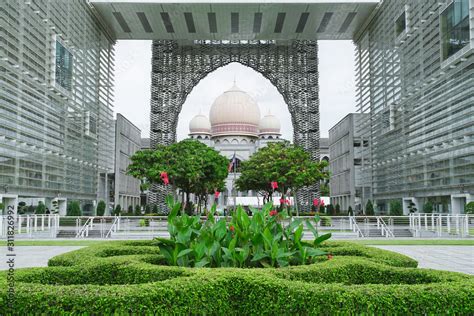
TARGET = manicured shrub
x,y
428,207
396,208
73,209
40,208
126,277
469,208
130,210
138,210
117,210
338,208
100,210
350,212
369,209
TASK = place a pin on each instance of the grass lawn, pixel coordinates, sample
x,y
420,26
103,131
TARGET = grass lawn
x,y
376,242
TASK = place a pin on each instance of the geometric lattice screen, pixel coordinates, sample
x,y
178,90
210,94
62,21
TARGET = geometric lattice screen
x,y
291,67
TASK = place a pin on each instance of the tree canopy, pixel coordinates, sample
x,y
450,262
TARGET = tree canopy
x,y
189,165
287,164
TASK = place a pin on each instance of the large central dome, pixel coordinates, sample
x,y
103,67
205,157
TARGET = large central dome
x,y
234,113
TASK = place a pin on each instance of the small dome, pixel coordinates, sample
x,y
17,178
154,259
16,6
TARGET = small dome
x,y
234,113
199,125
270,124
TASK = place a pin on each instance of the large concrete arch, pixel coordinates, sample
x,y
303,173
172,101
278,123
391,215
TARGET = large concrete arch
x,y
292,67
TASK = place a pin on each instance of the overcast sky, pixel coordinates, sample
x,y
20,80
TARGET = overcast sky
x,y
133,79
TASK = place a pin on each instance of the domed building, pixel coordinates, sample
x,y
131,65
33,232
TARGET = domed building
x,y
235,128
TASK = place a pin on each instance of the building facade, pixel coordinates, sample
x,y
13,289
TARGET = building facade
x,y
56,117
415,66
236,130
345,149
127,142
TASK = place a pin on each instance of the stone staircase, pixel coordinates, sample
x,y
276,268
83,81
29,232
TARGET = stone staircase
x,y
93,233
402,232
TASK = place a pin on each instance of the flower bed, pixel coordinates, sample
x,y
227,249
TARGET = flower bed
x,y
127,277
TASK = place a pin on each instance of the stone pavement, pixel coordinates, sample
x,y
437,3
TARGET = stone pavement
x,y
450,258
33,256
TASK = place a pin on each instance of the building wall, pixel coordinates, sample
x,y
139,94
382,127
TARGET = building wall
x,y
345,147
420,103
55,99
127,142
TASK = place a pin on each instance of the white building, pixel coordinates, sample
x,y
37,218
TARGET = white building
x,y
235,126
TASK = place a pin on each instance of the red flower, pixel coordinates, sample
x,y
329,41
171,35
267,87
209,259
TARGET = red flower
x,y
316,202
164,178
287,201
231,228
330,257
282,201
322,202
273,213
216,194
274,185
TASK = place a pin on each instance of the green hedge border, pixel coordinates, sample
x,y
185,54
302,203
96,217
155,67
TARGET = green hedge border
x,y
126,278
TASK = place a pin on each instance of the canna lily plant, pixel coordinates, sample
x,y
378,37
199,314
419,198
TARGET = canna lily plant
x,y
262,240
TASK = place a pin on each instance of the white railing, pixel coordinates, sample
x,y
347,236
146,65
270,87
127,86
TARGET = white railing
x,y
84,230
442,224
385,231
130,227
114,227
355,227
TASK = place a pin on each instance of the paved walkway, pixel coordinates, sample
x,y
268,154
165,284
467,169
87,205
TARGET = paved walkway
x,y
33,256
450,258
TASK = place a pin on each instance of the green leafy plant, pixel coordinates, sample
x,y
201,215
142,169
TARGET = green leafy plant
x,y
287,164
260,241
396,208
350,211
40,208
138,210
469,208
100,208
428,207
117,210
74,209
369,208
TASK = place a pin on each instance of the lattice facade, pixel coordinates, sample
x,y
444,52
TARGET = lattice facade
x,y
419,98
292,67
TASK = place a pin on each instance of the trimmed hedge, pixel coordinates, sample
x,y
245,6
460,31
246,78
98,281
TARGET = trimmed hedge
x,y
127,278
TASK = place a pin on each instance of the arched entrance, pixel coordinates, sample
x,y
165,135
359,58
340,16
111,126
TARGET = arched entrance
x,y
292,67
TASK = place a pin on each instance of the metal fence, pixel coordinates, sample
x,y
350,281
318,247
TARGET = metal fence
x,y
147,227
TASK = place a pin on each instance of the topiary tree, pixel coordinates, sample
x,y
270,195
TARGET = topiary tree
x,y
428,207
369,208
117,210
74,209
155,209
338,208
330,209
147,209
469,208
396,208
350,212
138,210
100,210
40,208
412,207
